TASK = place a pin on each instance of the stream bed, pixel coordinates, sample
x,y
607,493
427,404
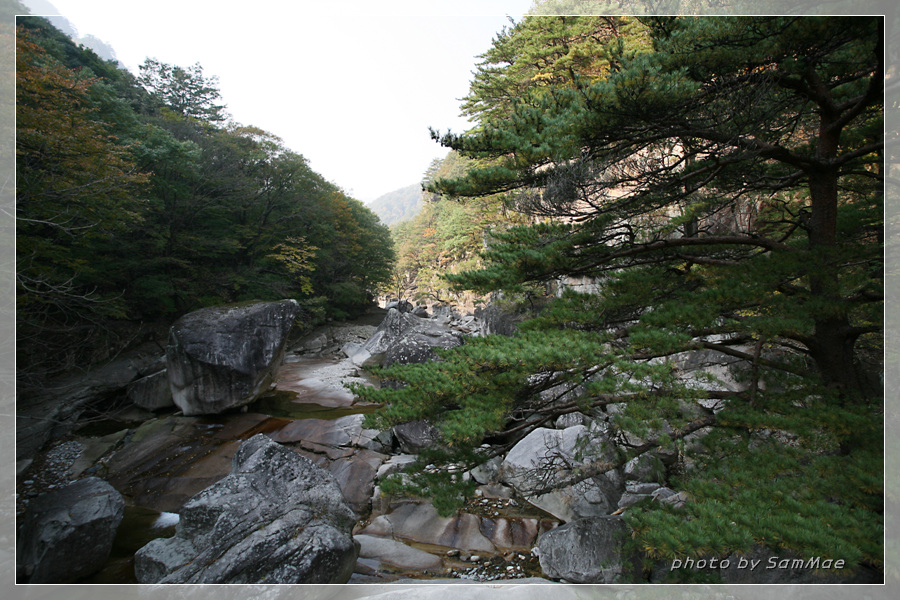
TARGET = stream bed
x,y
159,461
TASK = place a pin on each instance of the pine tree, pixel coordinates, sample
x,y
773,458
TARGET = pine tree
x,y
723,188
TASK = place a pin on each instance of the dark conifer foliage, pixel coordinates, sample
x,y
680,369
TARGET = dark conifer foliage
x,y
720,180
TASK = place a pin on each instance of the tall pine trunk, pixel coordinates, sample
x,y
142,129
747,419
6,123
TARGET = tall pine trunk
x,y
833,339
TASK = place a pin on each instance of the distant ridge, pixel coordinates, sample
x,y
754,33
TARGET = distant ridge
x,y
399,205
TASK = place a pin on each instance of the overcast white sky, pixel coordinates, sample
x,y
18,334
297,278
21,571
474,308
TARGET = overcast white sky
x,y
352,85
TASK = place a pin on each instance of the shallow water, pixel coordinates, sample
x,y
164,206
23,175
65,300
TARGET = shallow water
x,y
285,404
139,527
171,455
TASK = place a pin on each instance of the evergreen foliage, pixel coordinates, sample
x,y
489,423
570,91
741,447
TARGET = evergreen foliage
x,y
722,186
446,236
137,203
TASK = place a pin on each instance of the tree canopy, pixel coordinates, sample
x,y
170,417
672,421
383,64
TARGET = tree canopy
x,y
185,90
138,202
719,180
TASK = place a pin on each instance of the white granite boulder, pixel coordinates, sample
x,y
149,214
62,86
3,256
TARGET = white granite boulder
x,y
547,456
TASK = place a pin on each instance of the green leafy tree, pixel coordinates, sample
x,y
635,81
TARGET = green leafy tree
x,y
184,90
723,190
136,204
539,55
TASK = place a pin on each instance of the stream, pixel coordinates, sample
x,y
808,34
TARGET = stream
x,y
158,463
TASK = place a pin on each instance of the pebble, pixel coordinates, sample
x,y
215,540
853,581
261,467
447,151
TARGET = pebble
x,y
50,472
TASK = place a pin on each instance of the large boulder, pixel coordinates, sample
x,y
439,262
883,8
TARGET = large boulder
x,y
546,457
417,348
496,320
151,392
276,518
224,357
67,534
402,338
588,551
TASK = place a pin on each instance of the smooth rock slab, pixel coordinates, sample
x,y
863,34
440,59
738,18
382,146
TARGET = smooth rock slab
x,y
168,461
421,523
517,534
356,476
224,357
276,518
67,534
397,554
339,433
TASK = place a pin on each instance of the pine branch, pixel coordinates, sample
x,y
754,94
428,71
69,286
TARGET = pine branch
x,y
581,473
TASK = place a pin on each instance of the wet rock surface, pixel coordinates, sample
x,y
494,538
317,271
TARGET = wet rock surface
x,y
159,462
53,414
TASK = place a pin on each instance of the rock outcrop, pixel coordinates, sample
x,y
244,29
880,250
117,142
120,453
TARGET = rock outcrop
x,y
67,534
415,436
276,518
53,414
224,357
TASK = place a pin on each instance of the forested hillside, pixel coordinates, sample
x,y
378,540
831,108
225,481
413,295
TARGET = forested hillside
x,y
445,236
399,205
138,200
720,180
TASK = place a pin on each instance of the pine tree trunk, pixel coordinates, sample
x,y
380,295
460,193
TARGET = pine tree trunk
x,y
833,338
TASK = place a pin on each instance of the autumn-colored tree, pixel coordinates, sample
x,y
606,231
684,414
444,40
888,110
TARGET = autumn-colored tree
x,y
75,187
